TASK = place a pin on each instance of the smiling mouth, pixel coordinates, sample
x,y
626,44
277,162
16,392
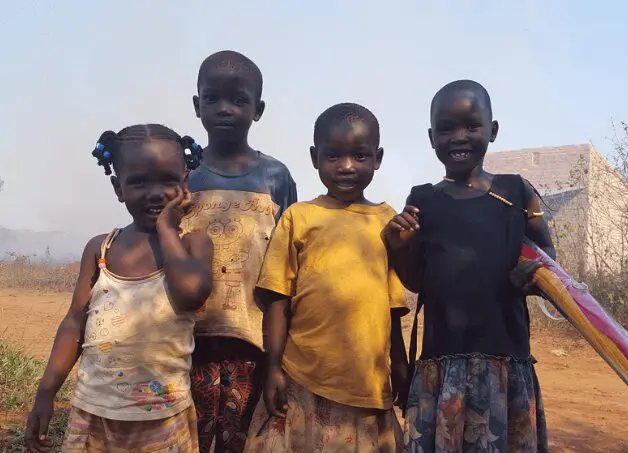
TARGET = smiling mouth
x,y
154,211
345,184
460,156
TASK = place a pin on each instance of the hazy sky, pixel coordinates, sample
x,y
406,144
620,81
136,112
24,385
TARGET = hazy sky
x,y
556,71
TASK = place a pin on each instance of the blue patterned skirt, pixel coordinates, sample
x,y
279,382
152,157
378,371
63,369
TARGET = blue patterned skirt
x,y
475,404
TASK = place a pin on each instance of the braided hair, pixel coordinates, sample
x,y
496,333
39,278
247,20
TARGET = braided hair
x,y
346,112
107,150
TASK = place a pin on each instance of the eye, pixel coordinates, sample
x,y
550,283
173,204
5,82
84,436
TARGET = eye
x,y
210,98
135,182
240,101
474,127
361,156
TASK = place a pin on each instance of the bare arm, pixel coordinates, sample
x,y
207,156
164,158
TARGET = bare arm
x,y
276,320
187,260
65,350
187,264
398,359
67,345
397,235
537,229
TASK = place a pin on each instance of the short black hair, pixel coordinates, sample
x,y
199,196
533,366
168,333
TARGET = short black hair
x,y
230,60
464,85
107,150
345,112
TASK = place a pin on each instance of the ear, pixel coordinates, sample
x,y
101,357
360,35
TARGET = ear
x,y
494,130
197,107
261,106
314,156
379,155
115,182
429,134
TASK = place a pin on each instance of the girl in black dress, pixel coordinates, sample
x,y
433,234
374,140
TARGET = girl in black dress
x,y
457,244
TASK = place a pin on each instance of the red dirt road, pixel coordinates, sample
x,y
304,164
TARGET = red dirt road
x,y
585,402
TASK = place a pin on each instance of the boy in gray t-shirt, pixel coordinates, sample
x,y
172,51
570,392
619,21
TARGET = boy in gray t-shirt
x,y
239,194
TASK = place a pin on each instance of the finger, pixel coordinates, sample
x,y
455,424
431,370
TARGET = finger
x,y
412,210
270,399
32,427
405,224
44,420
412,220
282,400
395,226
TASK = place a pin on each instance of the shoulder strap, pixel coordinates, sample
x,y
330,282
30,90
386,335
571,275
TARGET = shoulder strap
x,y
106,244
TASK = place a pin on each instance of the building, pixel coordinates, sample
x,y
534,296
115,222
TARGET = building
x,y
585,202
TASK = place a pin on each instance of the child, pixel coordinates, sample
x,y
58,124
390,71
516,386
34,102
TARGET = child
x,y
333,305
239,194
475,388
132,314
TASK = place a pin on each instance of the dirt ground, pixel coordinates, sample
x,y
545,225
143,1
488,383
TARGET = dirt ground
x,y
585,402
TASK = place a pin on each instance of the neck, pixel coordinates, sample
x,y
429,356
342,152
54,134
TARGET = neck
x,y
220,148
228,154
475,174
357,200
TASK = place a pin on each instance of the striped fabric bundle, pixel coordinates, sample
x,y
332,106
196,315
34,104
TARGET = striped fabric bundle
x,y
575,303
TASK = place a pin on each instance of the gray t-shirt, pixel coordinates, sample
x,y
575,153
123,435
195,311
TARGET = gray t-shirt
x,y
239,213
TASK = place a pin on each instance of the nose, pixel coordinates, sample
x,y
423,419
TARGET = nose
x,y
155,193
224,108
460,135
345,165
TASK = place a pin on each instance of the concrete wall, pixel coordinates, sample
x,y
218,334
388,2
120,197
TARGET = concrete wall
x,y
587,202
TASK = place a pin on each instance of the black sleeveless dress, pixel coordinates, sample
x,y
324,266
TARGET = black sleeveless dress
x,y
474,388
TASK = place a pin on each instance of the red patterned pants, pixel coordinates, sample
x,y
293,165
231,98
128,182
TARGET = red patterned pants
x,y
225,395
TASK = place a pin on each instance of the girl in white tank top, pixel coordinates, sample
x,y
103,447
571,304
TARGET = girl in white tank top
x,y
132,314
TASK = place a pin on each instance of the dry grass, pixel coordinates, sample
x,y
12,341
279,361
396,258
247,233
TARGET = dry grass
x,y
21,272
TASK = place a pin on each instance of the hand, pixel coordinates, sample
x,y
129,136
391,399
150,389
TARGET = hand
x,y
275,396
523,277
402,227
36,435
176,208
400,383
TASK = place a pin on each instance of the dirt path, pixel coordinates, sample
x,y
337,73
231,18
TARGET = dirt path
x,y
586,403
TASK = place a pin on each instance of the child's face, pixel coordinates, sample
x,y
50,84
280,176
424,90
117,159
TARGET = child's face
x,y
147,177
461,130
346,159
227,105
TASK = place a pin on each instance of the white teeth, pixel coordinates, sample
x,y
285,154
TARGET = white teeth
x,y
460,155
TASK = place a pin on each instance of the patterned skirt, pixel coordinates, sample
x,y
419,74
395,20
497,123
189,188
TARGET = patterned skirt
x,y
88,433
475,404
316,424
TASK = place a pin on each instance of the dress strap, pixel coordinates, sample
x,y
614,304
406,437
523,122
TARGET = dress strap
x,y
106,244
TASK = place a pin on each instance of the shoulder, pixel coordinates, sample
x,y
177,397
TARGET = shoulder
x,y
95,243
419,194
300,208
514,181
91,251
387,210
274,167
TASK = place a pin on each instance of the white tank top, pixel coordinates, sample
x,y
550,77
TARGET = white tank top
x,y
137,350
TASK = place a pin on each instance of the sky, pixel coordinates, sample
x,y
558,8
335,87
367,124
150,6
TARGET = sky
x,y
71,70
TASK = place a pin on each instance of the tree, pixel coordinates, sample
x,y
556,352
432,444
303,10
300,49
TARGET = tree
x,y
591,225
